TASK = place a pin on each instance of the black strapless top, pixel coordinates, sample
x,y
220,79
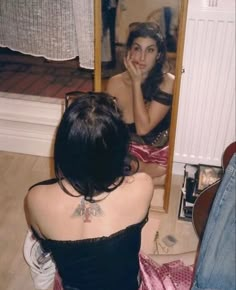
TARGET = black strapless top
x,y
165,99
103,263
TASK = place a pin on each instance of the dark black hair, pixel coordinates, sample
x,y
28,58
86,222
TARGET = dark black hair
x,y
91,145
155,77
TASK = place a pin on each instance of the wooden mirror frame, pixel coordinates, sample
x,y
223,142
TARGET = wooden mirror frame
x,y
178,73
97,45
175,104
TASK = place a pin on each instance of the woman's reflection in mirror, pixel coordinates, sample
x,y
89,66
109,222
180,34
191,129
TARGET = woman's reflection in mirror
x,y
144,94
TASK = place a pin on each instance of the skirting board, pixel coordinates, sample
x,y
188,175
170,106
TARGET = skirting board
x,y
28,123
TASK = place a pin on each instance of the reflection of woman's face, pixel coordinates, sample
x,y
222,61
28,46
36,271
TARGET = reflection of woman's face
x,y
144,53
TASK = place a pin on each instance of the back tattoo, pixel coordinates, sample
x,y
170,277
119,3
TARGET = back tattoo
x,y
87,210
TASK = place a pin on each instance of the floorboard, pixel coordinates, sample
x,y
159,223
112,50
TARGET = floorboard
x,y
25,74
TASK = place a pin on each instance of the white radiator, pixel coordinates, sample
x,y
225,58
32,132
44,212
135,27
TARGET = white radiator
x,y
206,114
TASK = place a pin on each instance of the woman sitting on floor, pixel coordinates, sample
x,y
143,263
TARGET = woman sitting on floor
x,y
86,217
144,95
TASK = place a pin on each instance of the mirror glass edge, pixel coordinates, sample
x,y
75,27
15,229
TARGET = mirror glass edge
x,y
178,72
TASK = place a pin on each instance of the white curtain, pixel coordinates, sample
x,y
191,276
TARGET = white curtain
x,y
84,23
55,29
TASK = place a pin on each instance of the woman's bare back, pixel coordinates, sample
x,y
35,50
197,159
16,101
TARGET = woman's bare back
x,y
59,216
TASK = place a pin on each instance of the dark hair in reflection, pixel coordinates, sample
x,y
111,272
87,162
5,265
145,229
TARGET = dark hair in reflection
x,y
155,77
91,145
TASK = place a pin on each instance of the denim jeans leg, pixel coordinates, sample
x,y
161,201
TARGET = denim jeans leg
x,y
215,267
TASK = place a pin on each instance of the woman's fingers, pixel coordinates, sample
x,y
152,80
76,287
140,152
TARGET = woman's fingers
x,y
130,66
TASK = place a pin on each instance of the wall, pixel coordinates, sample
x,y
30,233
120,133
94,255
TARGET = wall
x,y
137,10
28,123
206,114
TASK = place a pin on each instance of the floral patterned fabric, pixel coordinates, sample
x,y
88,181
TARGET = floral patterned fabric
x,y
150,154
170,276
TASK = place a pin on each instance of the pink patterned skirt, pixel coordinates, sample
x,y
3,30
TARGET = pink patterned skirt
x,y
147,153
170,276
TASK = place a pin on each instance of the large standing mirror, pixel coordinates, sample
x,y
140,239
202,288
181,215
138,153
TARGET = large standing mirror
x,y
109,53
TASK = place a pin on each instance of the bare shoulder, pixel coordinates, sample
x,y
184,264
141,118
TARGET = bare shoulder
x,y
114,83
32,206
38,199
138,192
33,194
143,185
34,198
116,78
143,178
168,83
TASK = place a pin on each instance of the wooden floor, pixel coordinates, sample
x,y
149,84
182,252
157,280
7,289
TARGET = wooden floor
x,y
29,75
17,173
